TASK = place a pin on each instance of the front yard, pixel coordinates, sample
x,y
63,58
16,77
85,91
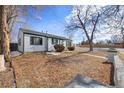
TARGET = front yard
x,y
43,70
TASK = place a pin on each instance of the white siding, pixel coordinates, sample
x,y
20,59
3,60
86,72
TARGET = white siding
x,y
64,43
50,45
34,48
20,36
46,43
60,41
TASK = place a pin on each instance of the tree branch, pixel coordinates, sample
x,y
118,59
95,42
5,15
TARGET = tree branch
x,y
82,24
9,18
94,27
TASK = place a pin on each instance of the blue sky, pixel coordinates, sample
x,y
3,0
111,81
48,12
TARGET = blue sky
x,y
50,19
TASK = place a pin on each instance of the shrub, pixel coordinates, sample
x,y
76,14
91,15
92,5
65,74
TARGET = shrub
x,y
59,47
71,48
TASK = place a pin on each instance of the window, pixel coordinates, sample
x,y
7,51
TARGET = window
x,y
35,41
19,41
68,43
54,41
61,42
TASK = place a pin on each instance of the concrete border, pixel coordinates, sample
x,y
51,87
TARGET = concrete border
x,y
118,72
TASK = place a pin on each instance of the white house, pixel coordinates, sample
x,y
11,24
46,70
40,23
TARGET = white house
x,y
33,41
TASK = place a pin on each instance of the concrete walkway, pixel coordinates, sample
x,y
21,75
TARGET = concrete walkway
x,y
15,53
95,56
81,49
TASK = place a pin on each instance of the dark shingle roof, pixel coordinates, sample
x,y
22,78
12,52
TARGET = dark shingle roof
x,y
42,34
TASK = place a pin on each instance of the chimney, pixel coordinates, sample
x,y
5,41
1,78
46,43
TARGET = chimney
x,y
46,31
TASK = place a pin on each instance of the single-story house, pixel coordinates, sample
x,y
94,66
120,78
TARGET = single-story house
x,y
33,41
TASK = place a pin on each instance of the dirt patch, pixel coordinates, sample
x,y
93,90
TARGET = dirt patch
x,y
6,79
40,70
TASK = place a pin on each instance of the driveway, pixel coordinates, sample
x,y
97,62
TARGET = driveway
x,y
82,49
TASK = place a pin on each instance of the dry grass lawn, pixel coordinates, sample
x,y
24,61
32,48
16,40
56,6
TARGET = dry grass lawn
x,y
41,70
6,79
104,54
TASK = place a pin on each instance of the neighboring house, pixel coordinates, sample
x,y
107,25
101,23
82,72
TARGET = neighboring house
x,y
32,41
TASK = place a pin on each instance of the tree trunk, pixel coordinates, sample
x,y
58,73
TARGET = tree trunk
x,y
6,46
0,29
91,46
123,41
5,36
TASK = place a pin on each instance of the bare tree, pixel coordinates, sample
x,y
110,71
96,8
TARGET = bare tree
x,y
85,18
116,38
5,34
8,16
0,29
115,21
